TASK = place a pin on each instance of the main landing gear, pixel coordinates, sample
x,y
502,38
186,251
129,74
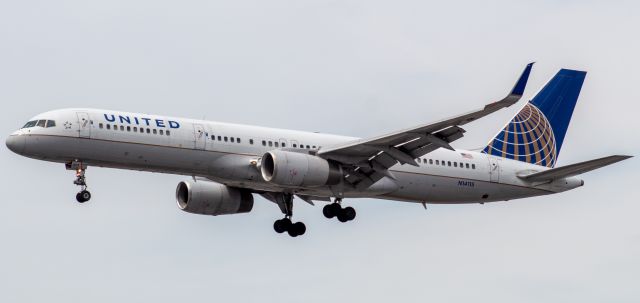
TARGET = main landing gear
x,y
335,210
285,201
84,195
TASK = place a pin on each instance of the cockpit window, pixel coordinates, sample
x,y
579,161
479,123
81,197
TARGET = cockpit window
x,y
40,123
30,124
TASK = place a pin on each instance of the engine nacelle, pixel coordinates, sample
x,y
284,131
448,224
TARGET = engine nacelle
x,y
210,198
298,169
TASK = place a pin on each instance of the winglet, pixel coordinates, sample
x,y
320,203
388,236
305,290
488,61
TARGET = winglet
x,y
518,89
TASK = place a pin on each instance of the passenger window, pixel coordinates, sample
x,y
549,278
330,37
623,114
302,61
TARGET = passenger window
x,y
162,132
437,162
219,138
226,139
467,164
51,123
276,143
473,166
108,126
449,163
295,145
284,144
238,140
430,161
308,147
135,129
121,127
168,133
100,125
148,130
128,128
155,131
264,143
213,137
42,123
314,147
270,143
455,164
251,141
142,129
232,140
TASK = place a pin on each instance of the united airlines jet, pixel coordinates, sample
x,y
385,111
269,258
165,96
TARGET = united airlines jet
x,y
227,164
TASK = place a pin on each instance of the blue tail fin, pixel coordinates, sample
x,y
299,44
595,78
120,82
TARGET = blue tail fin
x,y
536,133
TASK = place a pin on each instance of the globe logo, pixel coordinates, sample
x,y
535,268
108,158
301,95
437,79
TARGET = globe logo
x,y
528,138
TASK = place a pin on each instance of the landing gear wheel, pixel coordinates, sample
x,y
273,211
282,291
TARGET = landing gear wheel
x,y
300,228
282,225
297,229
83,196
331,210
349,213
342,217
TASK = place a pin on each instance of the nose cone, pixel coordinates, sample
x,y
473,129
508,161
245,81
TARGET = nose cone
x,y
16,143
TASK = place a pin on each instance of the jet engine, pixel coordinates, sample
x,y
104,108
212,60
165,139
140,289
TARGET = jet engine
x,y
287,168
210,198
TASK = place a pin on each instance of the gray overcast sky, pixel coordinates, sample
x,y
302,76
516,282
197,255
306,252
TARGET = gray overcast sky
x,y
349,67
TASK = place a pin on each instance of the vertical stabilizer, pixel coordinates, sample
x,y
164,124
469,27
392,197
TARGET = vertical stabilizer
x,y
536,133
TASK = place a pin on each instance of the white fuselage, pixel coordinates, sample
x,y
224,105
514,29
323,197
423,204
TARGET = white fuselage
x,y
230,154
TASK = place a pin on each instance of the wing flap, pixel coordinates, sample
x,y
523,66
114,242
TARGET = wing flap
x,y
377,154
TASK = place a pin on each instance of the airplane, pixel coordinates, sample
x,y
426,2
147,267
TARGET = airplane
x,y
230,163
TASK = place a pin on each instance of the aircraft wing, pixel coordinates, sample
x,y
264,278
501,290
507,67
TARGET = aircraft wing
x,y
370,158
573,169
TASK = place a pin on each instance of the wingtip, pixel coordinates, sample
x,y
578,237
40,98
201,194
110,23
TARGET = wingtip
x,y
521,84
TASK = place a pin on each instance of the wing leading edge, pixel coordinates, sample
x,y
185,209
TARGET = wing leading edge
x,y
370,158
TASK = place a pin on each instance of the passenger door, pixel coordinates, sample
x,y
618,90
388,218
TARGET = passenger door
x,y
494,168
200,138
84,125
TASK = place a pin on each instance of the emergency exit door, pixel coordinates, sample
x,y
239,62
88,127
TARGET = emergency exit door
x,y
199,136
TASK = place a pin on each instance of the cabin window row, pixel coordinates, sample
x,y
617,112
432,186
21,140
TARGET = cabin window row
x,y
228,139
284,144
135,129
447,163
273,144
268,143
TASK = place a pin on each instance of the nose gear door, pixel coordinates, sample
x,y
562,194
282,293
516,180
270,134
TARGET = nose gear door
x,y
84,125
200,138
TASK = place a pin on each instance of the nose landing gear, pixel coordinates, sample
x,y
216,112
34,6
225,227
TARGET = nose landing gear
x,y
84,195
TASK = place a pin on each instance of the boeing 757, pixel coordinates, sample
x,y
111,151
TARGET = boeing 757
x,y
228,164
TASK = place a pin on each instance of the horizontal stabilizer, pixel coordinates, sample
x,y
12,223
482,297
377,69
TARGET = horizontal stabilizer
x,y
573,169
